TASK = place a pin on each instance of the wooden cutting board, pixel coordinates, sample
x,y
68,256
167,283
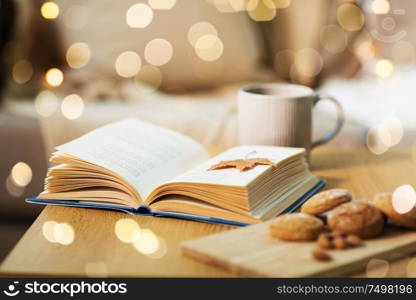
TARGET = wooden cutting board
x,y
250,251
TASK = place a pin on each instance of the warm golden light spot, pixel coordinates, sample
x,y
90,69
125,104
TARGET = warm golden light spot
x,y
72,106
49,10
403,52
46,103
127,230
149,78
225,6
54,77
76,17
147,243
21,174
78,55
404,199
161,251
333,39
22,71
365,50
375,142
209,47
162,4
384,68
377,268
282,3
48,229
390,131
139,15
350,17
128,64
158,52
411,268
63,233
199,30
308,62
261,10
96,269
12,188
238,5
380,7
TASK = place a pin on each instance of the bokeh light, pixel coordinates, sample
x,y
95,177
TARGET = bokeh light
x,y
76,17
147,243
200,29
158,52
404,199
128,64
21,174
308,62
375,142
334,39
22,71
12,188
403,52
162,4
149,78
96,269
127,230
384,68
49,10
390,131
139,15
350,17
365,50
78,55
72,106
380,6
46,103
63,233
377,268
209,47
54,77
161,251
48,229
261,10
229,6
238,5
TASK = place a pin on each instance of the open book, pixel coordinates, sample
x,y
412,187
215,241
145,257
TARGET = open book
x,y
141,168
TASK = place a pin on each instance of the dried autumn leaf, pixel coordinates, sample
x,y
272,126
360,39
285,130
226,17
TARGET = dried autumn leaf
x,y
242,164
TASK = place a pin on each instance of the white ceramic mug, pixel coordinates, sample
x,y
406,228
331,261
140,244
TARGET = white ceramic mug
x,y
281,115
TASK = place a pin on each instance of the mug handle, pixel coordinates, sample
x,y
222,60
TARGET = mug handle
x,y
340,120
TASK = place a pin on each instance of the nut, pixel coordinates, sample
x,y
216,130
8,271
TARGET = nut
x,y
353,240
321,255
339,243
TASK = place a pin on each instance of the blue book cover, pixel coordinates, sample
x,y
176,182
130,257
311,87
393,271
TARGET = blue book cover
x,y
146,211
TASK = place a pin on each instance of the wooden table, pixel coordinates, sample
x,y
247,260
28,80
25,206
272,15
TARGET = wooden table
x,y
97,251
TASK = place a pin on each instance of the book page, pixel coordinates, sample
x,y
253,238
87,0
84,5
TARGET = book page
x,y
143,154
232,176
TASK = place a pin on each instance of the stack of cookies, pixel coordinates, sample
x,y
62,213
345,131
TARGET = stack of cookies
x,y
336,222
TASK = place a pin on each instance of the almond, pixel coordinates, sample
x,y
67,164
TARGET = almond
x,y
321,255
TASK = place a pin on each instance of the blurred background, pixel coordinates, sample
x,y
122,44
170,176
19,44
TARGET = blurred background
x,y
67,67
